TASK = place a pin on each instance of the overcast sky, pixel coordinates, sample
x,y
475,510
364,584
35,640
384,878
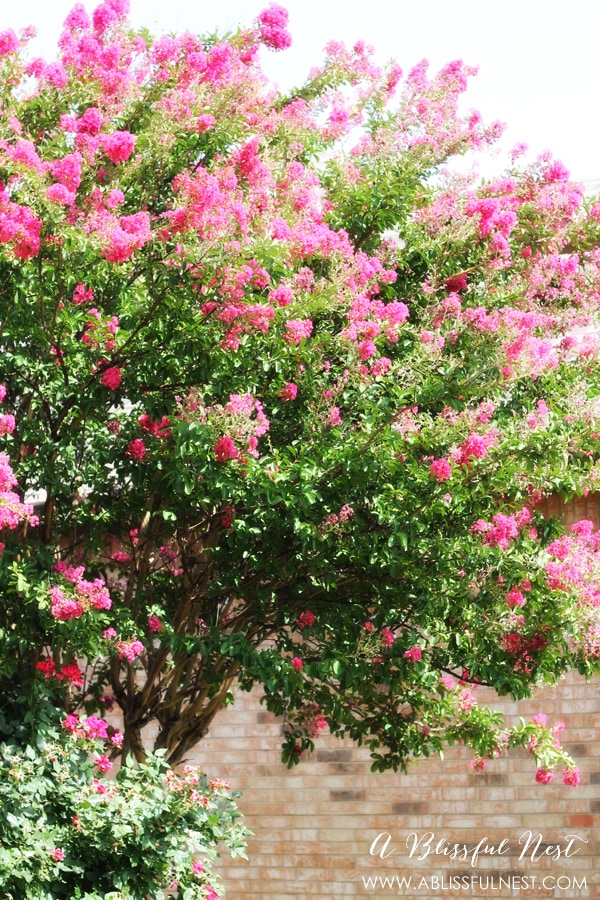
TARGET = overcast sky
x,y
538,59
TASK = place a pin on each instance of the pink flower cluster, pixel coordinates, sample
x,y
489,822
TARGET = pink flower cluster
x,y
502,530
129,650
111,378
288,392
156,427
136,449
19,227
70,672
154,624
343,517
92,727
12,511
273,27
440,469
298,330
474,447
225,449
118,146
305,620
87,594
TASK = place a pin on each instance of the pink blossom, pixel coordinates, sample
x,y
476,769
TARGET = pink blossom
x,y
58,854
297,664
305,620
102,763
197,867
584,528
136,449
380,366
94,594
70,723
81,294
205,123
94,727
129,650
19,227
9,42
413,654
366,349
281,295
24,152
440,469
571,776
115,198
466,701
111,378
125,236
387,639
155,624
63,607
90,122
515,598
272,30
298,329
544,776
55,74
477,764
7,423
346,513
67,171
334,418
288,391
118,146
225,449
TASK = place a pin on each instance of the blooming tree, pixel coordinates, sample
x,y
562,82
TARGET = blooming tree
x,y
289,390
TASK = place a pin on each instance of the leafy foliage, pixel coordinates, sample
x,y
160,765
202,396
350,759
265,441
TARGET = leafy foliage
x,y
290,390
67,833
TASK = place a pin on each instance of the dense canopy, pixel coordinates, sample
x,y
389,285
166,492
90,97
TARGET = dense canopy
x,y
287,386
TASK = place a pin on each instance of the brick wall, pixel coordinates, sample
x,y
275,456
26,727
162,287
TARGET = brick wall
x,y
314,825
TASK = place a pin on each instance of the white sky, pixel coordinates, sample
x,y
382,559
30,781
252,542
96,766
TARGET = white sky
x,y
538,59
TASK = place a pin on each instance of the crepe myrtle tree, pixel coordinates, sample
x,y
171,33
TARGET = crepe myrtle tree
x,y
290,389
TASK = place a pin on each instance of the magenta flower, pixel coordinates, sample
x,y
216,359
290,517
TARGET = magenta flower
x,y
225,449
440,469
118,146
111,378
571,776
544,776
288,392
102,763
154,624
136,449
305,620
